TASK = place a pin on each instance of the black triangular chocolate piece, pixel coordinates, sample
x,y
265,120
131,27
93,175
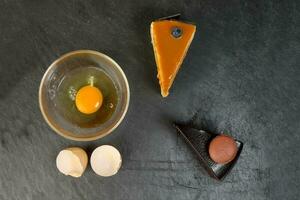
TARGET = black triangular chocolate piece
x,y
175,16
199,141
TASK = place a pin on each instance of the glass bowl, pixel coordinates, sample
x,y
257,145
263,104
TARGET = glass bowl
x,y
56,113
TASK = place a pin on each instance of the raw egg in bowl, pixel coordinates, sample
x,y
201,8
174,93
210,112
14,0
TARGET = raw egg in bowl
x,y
84,95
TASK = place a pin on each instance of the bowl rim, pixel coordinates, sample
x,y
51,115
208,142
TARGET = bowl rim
x,y
94,137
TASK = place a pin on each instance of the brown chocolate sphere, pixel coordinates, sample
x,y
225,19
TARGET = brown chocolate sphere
x,y
222,149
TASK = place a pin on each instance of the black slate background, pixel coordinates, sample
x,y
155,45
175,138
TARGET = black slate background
x,y
241,76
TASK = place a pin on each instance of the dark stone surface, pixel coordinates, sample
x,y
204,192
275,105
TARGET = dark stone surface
x,y
241,76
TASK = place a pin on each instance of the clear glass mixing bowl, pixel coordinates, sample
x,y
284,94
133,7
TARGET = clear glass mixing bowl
x,y
49,89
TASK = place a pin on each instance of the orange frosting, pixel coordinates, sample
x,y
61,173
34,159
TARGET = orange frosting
x,y
169,50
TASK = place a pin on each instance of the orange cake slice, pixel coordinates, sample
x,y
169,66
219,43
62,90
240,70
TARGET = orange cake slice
x,y
171,40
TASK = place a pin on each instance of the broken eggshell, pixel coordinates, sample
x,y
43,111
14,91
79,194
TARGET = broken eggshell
x,y
106,160
72,161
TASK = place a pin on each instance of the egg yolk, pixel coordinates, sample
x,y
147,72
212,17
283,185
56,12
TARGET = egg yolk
x,y
88,99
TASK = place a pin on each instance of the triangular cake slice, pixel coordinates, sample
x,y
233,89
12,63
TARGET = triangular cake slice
x,y
171,40
199,141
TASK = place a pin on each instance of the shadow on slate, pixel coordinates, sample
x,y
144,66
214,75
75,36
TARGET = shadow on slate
x,y
199,140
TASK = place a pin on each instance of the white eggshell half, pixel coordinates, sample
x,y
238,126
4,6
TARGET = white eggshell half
x,y
72,161
106,160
